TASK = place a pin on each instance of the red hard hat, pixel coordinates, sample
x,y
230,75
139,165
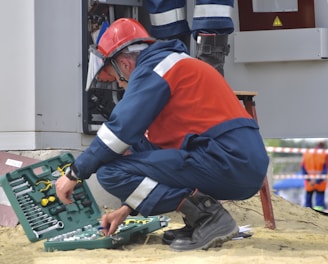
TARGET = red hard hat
x,y
122,33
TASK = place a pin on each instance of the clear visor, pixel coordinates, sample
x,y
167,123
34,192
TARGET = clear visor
x,y
95,65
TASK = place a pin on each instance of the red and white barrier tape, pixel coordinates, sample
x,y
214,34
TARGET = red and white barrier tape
x,y
299,176
295,150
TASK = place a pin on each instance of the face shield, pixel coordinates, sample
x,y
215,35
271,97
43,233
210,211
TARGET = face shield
x,y
95,67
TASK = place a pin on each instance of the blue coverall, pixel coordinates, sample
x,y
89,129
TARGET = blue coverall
x,y
168,18
198,135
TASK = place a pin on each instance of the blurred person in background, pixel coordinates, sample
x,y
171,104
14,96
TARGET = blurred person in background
x,y
314,165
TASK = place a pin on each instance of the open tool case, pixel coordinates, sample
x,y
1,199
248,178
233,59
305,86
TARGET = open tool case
x,y
31,192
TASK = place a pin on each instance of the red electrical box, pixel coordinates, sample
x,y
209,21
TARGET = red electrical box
x,y
275,14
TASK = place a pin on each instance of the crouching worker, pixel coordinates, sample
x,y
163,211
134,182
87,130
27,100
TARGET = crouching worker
x,y
191,141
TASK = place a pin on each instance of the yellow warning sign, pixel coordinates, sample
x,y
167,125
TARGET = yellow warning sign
x,y
277,22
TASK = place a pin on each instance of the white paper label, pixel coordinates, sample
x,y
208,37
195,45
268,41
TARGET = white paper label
x,y
14,163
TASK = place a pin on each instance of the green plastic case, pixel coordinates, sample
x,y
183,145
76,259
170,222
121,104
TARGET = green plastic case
x,y
32,194
90,237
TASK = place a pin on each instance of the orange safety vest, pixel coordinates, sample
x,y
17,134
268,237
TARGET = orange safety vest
x,y
314,163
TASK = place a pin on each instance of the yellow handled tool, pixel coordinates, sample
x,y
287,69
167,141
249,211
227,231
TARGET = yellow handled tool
x,y
45,201
47,184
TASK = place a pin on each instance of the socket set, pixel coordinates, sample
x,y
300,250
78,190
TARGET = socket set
x,y
31,192
91,237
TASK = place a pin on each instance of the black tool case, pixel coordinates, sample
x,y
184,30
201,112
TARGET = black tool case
x,y
31,192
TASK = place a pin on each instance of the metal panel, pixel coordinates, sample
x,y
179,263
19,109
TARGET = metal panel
x,y
281,45
17,111
58,70
275,6
250,20
122,2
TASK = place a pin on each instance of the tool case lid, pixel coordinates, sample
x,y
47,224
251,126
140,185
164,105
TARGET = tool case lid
x,y
31,192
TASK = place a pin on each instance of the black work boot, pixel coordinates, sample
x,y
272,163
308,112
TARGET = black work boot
x,y
212,48
212,224
172,234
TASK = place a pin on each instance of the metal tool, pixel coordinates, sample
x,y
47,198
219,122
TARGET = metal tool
x,y
60,171
31,211
47,184
30,218
59,224
20,185
56,174
42,220
42,216
34,208
16,181
51,221
27,201
24,192
23,197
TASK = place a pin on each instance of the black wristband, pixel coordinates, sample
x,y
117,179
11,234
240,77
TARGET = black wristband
x,y
68,174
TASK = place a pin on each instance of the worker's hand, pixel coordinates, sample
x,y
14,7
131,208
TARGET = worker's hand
x,y
64,189
112,220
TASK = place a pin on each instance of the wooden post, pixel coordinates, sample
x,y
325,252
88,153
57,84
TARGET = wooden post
x,y
249,103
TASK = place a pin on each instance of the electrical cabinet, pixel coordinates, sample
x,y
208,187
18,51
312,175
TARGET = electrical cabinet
x,y
279,30
275,14
101,98
262,46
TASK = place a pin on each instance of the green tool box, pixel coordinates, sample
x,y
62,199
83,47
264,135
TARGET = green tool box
x,y
31,192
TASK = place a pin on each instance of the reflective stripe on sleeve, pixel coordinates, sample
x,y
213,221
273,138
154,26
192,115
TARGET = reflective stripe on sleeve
x,y
167,17
166,64
111,140
212,11
142,191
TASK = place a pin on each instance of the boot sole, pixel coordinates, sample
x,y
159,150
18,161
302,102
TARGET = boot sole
x,y
217,242
212,243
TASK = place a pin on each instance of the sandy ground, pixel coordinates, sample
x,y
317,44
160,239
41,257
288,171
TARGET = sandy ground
x,y
301,236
